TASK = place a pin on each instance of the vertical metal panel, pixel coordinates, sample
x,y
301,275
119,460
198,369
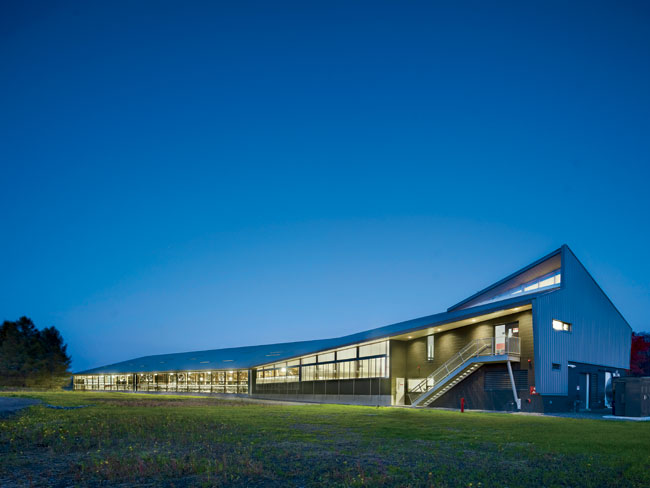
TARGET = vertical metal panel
x,y
599,335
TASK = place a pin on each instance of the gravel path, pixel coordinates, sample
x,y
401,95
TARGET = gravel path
x,y
10,405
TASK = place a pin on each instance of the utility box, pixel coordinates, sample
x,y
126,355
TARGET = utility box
x,y
632,397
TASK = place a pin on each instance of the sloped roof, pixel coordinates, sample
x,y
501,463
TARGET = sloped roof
x,y
537,268
251,356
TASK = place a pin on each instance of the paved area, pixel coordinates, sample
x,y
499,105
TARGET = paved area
x,y
597,415
10,405
604,414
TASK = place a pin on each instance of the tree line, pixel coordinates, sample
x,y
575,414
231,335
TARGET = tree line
x,y
32,358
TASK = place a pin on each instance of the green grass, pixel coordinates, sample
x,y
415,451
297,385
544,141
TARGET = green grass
x,y
127,440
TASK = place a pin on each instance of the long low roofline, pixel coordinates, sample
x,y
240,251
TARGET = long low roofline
x,y
252,356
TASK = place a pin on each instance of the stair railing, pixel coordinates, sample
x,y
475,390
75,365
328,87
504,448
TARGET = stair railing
x,y
478,347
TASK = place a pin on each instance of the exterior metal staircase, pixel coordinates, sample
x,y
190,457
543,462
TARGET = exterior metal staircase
x,y
462,364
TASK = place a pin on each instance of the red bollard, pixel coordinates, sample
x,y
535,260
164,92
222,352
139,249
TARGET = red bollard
x,y
462,405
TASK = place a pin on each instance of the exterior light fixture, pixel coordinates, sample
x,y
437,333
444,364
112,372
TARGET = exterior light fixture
x,y
410,337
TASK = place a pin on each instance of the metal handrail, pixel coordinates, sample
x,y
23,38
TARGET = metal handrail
x,y
475,348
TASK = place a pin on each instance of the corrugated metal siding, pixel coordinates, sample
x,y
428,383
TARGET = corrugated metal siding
x,y
599,334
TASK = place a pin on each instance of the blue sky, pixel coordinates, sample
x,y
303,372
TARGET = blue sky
x,y
193,175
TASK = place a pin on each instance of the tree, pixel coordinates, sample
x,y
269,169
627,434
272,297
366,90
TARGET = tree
x,y
640,354
29,357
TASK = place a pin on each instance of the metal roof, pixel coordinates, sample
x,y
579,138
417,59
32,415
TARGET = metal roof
x,y
468,302
251,356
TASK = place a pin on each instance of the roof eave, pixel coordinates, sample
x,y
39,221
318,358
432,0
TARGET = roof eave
x,y
507,278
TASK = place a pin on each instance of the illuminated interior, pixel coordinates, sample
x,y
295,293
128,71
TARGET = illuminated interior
x,y
235,381
548,281
350,362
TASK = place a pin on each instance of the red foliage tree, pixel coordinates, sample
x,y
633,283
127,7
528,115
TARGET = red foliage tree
x,y
640,355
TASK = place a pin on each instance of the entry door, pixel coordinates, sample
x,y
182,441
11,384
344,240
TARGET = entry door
x,y
499,339
399,391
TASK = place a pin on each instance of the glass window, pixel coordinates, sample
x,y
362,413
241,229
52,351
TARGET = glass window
x,y
551,279
430,347
325,358
350,353
343,371
363,369
309,360
376,349
559,325
547,282
292,373
326,371
308,373
347,370
532,287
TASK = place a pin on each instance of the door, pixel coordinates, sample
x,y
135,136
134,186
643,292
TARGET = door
x,y
399,391
500,339
645,398
608,389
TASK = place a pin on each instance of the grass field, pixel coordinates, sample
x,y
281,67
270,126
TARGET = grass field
x,y
145,440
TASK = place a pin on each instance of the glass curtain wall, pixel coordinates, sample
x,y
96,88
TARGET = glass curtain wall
x,y
347,363
235,381
364,361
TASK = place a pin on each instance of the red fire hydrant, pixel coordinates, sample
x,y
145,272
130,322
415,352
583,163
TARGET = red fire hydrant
x,y
462,405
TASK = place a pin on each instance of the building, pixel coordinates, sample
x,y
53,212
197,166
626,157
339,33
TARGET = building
x,y
545,338
631,397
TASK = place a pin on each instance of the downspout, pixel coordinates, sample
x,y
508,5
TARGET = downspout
x,y
514,388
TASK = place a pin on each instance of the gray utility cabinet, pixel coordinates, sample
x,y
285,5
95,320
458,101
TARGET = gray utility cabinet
x,y
632,396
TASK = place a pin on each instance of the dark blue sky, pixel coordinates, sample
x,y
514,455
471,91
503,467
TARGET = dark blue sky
x,y
202,175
